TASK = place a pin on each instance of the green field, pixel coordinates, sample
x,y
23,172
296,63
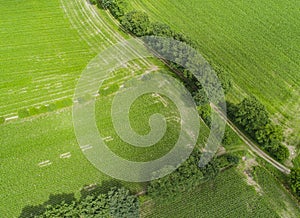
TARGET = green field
x,y
44,47
256,41
227,196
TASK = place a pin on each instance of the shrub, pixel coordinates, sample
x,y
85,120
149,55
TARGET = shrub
x,y
63,103
295,180
2,120
136,22
51,107
33,111
42,109
22,113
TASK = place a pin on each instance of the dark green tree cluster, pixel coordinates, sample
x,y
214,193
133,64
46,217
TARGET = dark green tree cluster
x,y
295,180
189,174
136,22
253,117
116,203
27,112
116,7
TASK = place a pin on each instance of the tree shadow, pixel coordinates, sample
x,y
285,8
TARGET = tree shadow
x,y
57,199
34,210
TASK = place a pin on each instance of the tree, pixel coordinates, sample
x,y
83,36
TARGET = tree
x,y
115,7
278,151
295,180
136,22
122,204
269,134
224,79
252,115
160,29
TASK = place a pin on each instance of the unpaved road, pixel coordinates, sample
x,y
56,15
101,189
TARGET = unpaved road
x,y
252,145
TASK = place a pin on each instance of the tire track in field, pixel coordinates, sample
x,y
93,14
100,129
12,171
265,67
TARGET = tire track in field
x,y
96,24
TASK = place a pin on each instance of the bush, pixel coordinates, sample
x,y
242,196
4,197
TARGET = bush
x,y
295,180
136,22
42,109
253,117
2,120
205,113
63,103
278,151
116,203
22,113
229,136
51,107
116,7
33,111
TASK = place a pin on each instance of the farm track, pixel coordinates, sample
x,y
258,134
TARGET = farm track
x,y
253,146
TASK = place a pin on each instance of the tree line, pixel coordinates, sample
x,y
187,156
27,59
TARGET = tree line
x,y
117,203
249,114
252,116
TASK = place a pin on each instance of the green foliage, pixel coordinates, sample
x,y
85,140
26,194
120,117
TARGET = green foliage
x,y
227,160
2,120
205,113
190,175
269,134
118,203
185,177
112,88
51,107
22,113
122,204
278,151
115,7
63,103
33,111
136,22
227,196
251,115
160,29
227,38
200,97
295,180
229,136
224,78
42,109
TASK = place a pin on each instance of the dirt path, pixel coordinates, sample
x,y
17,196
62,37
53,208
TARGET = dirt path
x,y
253,146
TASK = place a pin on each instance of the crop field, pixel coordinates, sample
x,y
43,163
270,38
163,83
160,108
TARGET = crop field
x,y
41,62
257,42
40,155
44,47
227,196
